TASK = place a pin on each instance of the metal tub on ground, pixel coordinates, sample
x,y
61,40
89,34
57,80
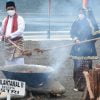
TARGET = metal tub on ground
x,y
38,78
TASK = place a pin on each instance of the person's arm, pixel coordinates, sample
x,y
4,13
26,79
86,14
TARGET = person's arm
x,y
21,27
74,31
97,34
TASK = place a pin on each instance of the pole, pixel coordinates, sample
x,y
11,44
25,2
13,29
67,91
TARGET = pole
x,y
8,97
72,44
49,17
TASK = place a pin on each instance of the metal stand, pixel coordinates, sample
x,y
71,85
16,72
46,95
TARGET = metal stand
x,y
8,97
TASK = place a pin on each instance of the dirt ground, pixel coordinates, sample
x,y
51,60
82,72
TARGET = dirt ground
x,y
64,73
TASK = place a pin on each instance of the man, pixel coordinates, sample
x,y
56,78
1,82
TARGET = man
x,y
12,28
84,28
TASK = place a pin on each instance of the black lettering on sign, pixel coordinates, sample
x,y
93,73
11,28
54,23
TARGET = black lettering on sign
x,y
22,85
17,84
7,87
2,90
0,82
14,92
10,83
8,91
17,92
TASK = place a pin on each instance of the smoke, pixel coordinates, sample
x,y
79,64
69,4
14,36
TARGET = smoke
x,y
57,6
59,56
65,6
60,7
95,5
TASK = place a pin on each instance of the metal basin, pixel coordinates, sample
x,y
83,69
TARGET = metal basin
x,y
33,75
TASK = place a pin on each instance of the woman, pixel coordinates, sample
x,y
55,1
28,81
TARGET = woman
x,y
83,28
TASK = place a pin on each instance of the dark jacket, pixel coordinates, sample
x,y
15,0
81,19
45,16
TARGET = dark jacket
x,y
82,30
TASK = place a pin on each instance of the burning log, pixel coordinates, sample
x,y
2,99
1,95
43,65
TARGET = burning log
x,y
93,83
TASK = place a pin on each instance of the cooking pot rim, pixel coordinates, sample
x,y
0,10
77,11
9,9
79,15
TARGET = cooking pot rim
x,y
27,68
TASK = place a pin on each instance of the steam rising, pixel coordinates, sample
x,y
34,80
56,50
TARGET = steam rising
x,y
57,57
60,56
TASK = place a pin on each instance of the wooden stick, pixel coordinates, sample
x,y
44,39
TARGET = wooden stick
x,y
85,94
69,44
98,98
24,52
96,32
86,74
15,45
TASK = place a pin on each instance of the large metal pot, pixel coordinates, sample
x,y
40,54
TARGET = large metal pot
x,y
33,75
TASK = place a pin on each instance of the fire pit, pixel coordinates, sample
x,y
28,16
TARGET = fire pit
x,y
33,75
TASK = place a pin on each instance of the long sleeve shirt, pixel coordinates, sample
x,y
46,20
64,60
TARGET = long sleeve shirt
x,y
20,30
82,30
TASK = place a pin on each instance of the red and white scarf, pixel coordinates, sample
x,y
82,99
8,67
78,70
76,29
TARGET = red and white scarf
x,y
14,23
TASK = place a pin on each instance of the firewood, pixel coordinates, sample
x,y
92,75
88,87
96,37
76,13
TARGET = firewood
x,y
93,82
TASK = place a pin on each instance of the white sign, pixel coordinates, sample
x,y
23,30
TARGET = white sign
x,y
12,87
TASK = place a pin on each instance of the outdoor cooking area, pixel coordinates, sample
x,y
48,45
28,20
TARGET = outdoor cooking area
x,y
54,54
44,72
